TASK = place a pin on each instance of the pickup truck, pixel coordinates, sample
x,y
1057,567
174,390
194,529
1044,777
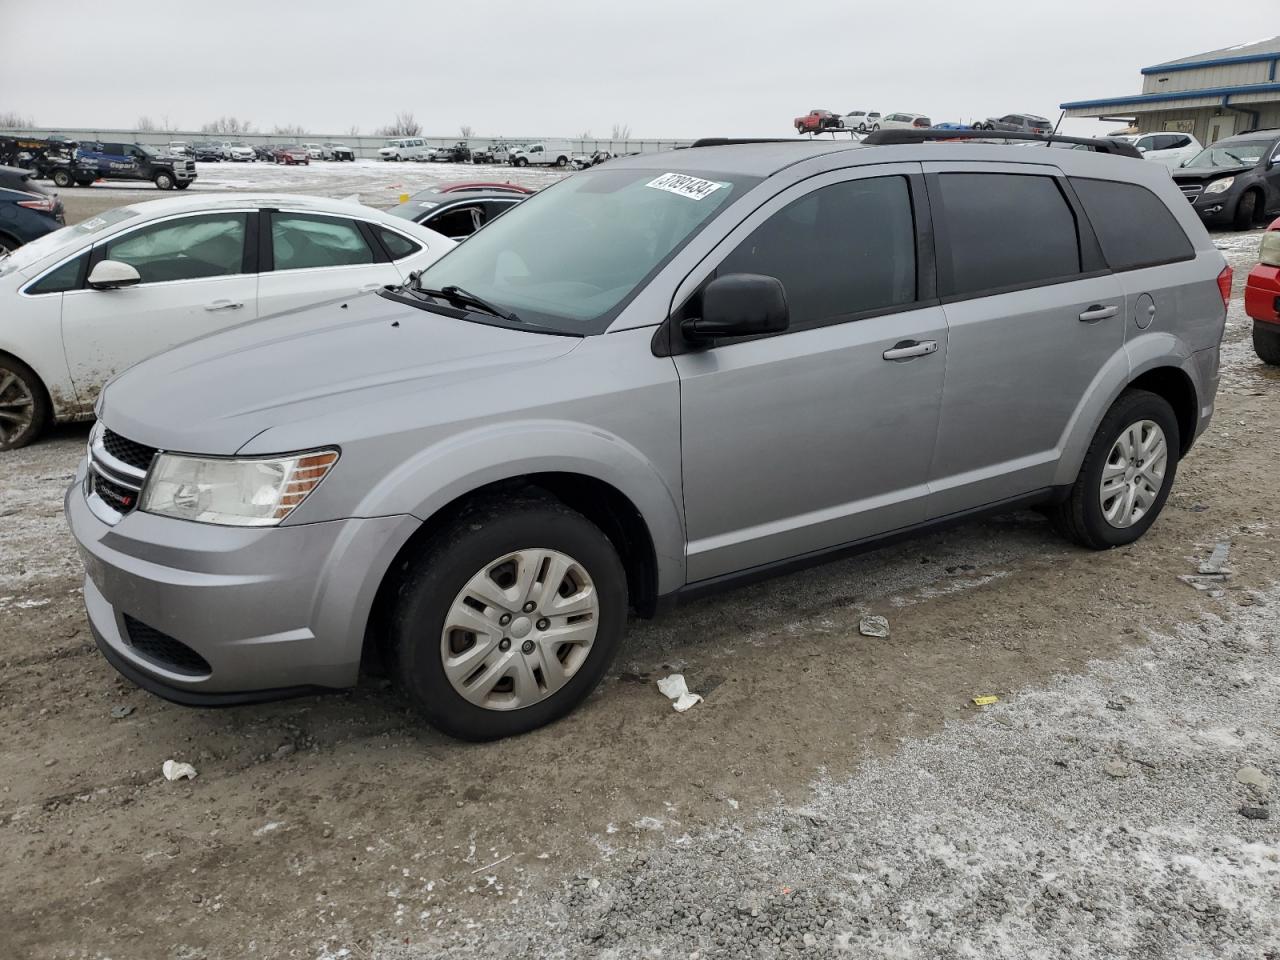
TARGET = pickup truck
x,y
97,160
815,121
540,155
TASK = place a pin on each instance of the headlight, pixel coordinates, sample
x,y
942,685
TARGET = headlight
x,y
258,492
1269,253
1220,186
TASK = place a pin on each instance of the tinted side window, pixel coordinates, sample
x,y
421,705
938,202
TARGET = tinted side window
x,y
66,277
204,246
1134,227
302,240
844,249
397,244
1004,230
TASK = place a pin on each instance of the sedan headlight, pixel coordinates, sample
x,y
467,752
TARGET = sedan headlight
x,y
1220,186
257,492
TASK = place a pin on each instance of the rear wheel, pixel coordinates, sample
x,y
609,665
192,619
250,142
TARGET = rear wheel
x,y
1126,475
562,161
508,619
1266,342
24,406
1246,211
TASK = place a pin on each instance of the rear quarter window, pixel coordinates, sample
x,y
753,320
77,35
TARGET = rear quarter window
x,y
1134,227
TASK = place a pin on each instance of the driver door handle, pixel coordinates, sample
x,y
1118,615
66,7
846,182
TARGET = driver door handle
x,y
910,349
1098,312
224,305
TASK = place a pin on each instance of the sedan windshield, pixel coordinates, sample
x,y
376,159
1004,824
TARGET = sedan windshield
x,y
570,257
1244,154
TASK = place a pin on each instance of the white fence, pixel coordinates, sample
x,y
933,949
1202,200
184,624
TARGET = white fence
x,y
363,146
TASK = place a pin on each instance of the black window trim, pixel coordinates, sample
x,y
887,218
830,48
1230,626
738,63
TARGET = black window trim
x,y
377,229
1153,263
1092,263
667,341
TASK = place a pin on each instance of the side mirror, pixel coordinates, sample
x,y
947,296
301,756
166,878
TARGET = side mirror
x,y
112,274
739,305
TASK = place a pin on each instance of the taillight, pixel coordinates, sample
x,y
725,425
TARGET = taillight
x,y
1224,284
1269,253
43,204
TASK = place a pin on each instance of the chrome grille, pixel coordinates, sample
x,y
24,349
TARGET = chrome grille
x,y
1191,191
117,470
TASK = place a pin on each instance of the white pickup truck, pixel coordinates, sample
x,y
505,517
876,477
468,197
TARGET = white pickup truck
x,y
542,155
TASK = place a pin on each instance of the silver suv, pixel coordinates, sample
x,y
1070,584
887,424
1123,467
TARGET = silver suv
x,y
657,377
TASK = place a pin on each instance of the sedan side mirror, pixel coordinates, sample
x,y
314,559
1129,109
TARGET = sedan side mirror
x,y
112,274
739,305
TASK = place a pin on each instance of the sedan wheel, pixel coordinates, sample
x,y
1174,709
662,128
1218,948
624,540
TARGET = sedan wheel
x,y
1134,474
23,407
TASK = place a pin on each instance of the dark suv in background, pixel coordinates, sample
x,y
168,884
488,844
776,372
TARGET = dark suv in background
x,y
1235,181
27,210
1016,123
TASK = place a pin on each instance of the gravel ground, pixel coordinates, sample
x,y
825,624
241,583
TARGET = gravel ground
x,y
831,784
1108,814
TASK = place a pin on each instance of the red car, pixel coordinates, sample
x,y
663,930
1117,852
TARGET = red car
x,y
815,121
1262,297
292,154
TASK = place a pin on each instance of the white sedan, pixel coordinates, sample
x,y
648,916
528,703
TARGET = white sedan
x,y
85,302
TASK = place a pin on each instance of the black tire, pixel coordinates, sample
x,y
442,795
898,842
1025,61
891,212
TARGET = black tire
x,y
31,385
1266,342
562,161
482,534
1080,516
164,181
1246,211
61,178
181,184
862,128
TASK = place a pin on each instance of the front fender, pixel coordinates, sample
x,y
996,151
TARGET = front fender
x,y
1138,356
441,473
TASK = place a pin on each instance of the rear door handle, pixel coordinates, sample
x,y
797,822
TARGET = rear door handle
x,y
224,305
1098,312
910,349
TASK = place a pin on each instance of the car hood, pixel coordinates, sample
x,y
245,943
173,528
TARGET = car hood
x,y
1202,174
214,394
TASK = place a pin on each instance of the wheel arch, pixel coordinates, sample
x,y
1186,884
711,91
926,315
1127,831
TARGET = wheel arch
x,y
606,506
1176,387
41,383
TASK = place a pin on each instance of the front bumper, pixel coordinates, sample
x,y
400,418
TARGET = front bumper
x,y
1215,208
271,611
1262,294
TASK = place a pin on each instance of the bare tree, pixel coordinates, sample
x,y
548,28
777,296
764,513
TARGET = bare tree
x,y
12,120
165,124
466,131
585,135
621,131
144,124
404,126
353,130
288,130
225,125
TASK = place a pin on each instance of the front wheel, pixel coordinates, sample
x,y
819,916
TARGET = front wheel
x,y
164,181
1246,211
1266,343
508,619
182,184
1126,475
875,126
24,406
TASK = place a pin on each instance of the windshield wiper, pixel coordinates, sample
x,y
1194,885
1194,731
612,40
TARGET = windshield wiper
x,y
456,294
1234,157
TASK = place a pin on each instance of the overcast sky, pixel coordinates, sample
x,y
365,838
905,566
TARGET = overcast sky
x,y
560,67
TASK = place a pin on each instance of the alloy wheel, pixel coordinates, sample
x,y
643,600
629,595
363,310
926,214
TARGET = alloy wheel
x,y
17,407
520,629
1134,473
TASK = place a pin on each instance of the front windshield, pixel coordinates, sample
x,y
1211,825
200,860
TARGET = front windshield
x,y
66,237
1243,154
569,257
392,143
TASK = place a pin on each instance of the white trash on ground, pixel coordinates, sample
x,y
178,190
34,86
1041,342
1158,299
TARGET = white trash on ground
x,y
874,626
677,690
173,770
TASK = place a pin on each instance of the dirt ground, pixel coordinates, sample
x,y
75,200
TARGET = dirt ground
x,y
340,826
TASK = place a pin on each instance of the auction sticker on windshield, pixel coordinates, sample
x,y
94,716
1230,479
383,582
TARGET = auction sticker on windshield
x,y
683,185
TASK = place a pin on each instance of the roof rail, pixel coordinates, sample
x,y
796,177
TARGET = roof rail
x,y
1120,148
735,141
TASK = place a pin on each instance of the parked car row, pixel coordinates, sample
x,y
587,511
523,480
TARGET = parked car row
x,y
477,473
861,121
